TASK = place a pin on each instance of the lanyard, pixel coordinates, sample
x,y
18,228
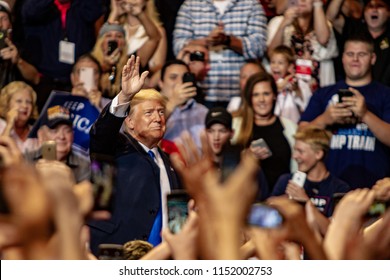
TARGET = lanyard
x,y
63,8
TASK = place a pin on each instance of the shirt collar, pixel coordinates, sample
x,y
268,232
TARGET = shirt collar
x,y
188,105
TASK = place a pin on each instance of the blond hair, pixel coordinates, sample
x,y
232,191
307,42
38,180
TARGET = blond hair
x,y
108,89
150,10
317,138
9,90
146,95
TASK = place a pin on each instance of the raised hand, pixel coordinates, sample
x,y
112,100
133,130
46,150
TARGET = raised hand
x,y
11,52
183,245
344,236
220,226
132,81
9,151
12,115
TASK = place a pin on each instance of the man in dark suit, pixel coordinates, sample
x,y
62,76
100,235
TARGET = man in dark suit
x,y
144,174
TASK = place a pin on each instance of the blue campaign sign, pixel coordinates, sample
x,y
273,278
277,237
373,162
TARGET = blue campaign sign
x,y
83,115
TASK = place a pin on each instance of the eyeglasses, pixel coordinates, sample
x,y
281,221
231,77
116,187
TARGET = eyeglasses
x,y
358,54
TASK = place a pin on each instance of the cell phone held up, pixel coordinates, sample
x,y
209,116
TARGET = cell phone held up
x,y
189,77
87,78
110,252
265,216
177,202
197,56
344,93
299,178
376,209
292,3
103,176
111,46
49,150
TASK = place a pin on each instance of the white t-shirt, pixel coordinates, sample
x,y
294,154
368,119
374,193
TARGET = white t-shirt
x,y
221,5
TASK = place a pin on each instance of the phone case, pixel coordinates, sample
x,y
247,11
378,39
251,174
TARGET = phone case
x,y
292,3
86,77
264,216
110,252
299,178
177,204
49,150
344,93
261,143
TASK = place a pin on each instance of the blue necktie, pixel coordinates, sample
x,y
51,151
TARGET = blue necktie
x,y
154,236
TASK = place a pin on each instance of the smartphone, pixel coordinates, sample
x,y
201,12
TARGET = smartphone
x,y
299,178
87,77
177,202
110,252
231,156
103,176
197,56
189,77
112,46
49,150
265,216
292,3
3,35
377,209
344,93
261,143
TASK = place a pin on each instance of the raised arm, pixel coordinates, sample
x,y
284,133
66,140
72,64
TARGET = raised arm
x,y
321,27
147,50
105,130
277,26
334,16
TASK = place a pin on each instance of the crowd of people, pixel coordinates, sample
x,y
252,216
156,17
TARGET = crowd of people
x,y
244,105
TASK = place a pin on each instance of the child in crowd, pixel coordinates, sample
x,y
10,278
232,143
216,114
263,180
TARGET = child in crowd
x,y
310,150
293,93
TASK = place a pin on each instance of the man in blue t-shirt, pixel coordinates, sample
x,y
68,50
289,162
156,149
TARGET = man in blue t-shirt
x,y
359,150
310,149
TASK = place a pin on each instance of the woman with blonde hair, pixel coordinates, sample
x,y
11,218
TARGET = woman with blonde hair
x,y
145,34
18,110
111,51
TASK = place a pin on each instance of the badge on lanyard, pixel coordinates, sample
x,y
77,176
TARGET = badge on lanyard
x,y
67,52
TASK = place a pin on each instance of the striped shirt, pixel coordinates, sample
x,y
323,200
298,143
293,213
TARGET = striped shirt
x,y
243,19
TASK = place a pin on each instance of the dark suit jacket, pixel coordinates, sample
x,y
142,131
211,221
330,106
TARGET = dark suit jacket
x,y
137,188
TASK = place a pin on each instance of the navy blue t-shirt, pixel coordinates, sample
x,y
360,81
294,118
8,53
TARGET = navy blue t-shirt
x,y
356,156
320,193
